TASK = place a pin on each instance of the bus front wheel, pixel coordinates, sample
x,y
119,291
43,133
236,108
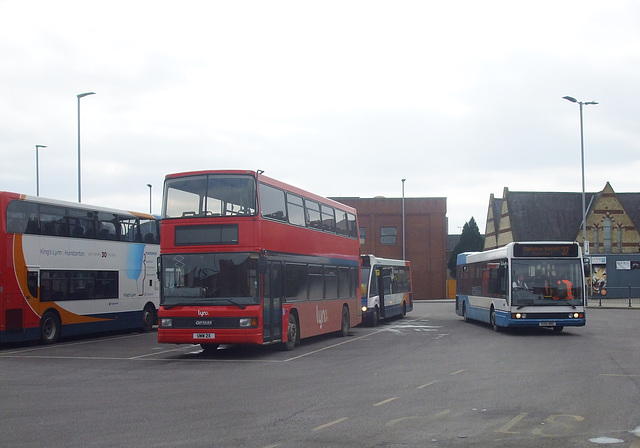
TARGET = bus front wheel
x,y
293,333
50,327
346,322
493,320
375,317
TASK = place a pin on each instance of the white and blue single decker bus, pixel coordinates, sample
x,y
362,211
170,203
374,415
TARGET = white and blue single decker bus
x,y
386,288
532,284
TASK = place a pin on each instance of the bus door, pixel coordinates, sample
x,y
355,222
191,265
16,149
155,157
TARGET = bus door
x,y
383,286
272,306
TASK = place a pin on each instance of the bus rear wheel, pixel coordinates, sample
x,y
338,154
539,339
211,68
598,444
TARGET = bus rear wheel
x,y
148,318
50,327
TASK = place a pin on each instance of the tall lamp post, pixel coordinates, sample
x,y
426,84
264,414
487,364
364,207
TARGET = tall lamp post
x,y
585,243
150,186
404,241
38,170
80,95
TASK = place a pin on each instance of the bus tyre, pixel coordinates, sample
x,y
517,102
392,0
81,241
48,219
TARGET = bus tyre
x,y
293,334
346,322
493,320
50,327
148,318
464,312
558,328
375,317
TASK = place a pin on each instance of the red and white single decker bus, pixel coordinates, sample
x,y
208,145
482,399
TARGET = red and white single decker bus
x,y
246,259
69,269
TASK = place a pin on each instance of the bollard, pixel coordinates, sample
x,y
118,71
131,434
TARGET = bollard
x,y
629,296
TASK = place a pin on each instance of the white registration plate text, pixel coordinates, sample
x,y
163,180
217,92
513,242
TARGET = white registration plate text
x,y
547,324
204,335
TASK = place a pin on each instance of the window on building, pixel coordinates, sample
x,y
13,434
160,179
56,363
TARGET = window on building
x,y
363,235
619,239
388,235
606,235
595,239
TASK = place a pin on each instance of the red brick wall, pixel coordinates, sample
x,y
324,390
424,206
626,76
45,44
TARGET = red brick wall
x,y
426,236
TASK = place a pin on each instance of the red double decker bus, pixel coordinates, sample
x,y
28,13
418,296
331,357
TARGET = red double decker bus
x,y
246,259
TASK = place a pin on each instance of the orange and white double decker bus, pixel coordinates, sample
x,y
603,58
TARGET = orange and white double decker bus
x,y
246,259
69,269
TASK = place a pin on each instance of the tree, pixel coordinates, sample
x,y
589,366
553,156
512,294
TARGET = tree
x,y
470,241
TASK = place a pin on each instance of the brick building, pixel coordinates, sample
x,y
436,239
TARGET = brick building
x,y
380,222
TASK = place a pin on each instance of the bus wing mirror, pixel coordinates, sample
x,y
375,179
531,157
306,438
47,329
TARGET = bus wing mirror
x,y
586,264
262,264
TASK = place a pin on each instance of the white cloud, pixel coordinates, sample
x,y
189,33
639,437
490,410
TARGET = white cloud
x,y
342,98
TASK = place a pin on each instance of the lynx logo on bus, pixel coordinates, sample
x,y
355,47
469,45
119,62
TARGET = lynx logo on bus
x,y
203,313
321,316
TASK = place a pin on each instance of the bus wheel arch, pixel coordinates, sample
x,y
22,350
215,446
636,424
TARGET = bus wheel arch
x,y
149,317
293,331
345,324
464,312
50,327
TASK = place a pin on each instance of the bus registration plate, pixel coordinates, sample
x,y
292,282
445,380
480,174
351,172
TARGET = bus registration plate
x,y
204,335
547,324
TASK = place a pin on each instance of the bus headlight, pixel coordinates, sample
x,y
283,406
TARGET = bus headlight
x,y
166,322
575,315
364,308
246,322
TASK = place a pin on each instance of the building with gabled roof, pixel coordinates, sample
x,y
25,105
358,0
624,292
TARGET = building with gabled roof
x,y
613,219
612,229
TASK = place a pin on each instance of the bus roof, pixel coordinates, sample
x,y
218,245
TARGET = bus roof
x,y
77,205
508,250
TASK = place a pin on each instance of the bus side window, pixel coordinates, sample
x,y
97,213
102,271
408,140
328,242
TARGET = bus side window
x,y
32,283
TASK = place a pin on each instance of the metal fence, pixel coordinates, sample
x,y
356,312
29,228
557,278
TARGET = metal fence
x,y
631,300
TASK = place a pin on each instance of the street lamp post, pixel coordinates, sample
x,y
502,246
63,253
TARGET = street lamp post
x,y
80,95
38,170
585,243
150,186
404,255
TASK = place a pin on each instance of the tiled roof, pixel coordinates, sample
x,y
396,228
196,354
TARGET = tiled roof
x,y
537,216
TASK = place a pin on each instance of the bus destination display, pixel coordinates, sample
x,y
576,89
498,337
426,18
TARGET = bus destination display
x,y
545,250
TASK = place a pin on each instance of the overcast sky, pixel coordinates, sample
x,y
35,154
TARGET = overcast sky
x,y
342,98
